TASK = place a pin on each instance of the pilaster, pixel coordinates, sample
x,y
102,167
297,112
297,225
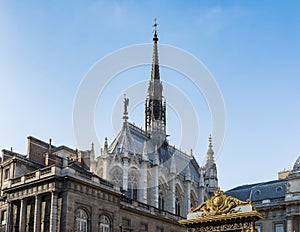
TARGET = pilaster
x,y
22,225
37,214
53,212
9,223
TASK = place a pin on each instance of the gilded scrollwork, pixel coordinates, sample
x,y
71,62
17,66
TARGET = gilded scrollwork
x,y
219,204
222,213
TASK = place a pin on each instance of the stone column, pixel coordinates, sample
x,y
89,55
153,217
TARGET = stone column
x,y
22,225
37,214
53,213
9,223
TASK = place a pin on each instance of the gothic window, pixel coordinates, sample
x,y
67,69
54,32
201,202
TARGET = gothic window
x,y
132,185
105,225
117,177
161,198
193,200
177,202
81,221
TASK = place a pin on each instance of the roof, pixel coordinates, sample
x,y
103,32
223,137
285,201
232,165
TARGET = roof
x,y
131,139
270,190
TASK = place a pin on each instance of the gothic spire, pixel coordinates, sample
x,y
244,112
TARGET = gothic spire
x,y
210,152
155,111
155,66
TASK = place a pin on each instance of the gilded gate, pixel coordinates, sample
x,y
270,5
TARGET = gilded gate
x,y
222,213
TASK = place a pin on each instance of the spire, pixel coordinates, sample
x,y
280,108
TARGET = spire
x,y
93,152
155,66
210,152
155,110
105,146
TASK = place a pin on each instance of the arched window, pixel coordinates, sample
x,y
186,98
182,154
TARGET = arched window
x,y
81,221
161,198
117,177
105,225
132,185
177,202
193,200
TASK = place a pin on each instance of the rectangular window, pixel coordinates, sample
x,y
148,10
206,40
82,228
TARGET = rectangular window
x,y
6,174
144,227
126,222
3,217
279,227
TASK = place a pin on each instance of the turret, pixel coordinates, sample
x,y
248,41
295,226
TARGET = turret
x,y
211,178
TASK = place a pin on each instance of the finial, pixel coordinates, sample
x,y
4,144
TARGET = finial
x,y
210,141
126,103
92,147
155,30
210,152
105,146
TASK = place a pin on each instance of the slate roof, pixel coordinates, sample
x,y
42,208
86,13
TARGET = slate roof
x,y
271,190
132,138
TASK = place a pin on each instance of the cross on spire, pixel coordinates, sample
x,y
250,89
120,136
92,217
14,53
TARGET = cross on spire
x,y
155,30
155,24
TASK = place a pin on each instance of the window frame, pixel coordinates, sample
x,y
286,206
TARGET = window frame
x,y
103,225
3,215
279,223
6,174
80,220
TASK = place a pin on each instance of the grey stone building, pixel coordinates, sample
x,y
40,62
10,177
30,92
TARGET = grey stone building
x,y
146,167
277,200
138,183
50,189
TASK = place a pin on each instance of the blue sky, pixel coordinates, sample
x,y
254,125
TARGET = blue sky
x,y
250,47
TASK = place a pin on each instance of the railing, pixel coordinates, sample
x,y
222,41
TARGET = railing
x,y
126,199
46,170
16,180
30,176
149,209
84,175
106,183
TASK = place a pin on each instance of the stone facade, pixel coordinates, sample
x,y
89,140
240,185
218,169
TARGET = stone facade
x,y
137,183
64,196
146,167
277,200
